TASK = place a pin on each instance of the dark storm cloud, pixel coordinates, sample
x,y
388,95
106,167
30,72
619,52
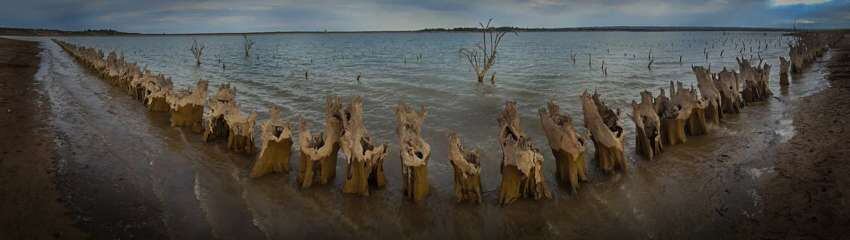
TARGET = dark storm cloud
x,y
269,15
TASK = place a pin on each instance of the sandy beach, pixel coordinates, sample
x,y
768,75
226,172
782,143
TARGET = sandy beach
x,y
72,168
31,205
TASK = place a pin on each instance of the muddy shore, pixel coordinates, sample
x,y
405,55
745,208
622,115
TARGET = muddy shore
x,y
30,204
71,166
809,195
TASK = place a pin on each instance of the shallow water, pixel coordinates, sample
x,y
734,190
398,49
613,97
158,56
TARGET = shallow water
x,y
201,188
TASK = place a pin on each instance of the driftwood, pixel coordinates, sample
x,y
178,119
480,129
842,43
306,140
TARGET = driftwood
x,y
730,95
784,64
567,145
277,146
755,81
606,133
414,151
467,171
364,160
220,105
187,107
709,93
319,153
648,126
522,164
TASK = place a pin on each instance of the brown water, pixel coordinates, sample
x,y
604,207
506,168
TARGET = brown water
x,y
125,172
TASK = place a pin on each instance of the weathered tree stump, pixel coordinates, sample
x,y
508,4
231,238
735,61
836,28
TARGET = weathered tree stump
x,y
784,64
691,109
414,151
156,90
709,93
187,107
648,126
241,136
319,153
277,146
755,81
567,145
220,105
364,160
606,133
522,164
467,171
730,95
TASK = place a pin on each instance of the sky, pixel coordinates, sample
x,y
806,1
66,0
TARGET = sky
x,y
215,16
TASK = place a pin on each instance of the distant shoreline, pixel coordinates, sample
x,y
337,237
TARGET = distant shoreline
x,y
4,31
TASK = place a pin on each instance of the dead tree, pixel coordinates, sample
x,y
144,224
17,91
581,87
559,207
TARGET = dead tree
x,y
467,171
197,51
708,91
483,55
567,145
247,44
277,146
364,160
319,152
648,126
522,163
606,133
414,151
187,107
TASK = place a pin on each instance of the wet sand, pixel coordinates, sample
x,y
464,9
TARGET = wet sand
x,y
30,205
809,195
126,174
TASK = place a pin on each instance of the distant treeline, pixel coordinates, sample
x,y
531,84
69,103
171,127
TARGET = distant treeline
x,y
52,32
612,28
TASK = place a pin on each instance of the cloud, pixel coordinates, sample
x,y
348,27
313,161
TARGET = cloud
x,y
797,2
173,16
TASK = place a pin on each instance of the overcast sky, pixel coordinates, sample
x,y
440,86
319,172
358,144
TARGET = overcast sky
x,y
194,16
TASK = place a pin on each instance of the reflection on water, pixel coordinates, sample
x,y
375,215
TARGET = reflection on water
x,y
691,189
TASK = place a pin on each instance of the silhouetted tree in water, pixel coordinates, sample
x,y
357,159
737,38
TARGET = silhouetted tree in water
x,y
247,44
483,55
197,51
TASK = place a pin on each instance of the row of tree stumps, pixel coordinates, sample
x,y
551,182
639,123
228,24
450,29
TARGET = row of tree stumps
x,y
660,121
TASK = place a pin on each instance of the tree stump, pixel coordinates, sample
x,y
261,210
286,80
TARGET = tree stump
x,y
690,108
730,94
784,64
240,139
414,151
364,160
156,89
467,171
755,81
277,146
522,164
648,126
319,153
187,107
220,105
567,145
709,93
606,133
